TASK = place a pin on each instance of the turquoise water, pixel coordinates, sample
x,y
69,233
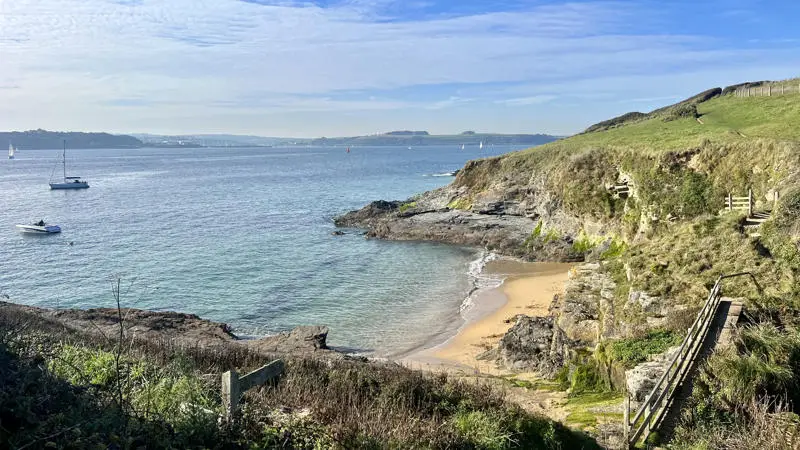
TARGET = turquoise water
x,y
241,236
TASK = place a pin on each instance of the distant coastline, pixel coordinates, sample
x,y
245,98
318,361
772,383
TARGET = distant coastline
x,y
47,140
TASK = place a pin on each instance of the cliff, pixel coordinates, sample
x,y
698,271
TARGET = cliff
x,y
643,198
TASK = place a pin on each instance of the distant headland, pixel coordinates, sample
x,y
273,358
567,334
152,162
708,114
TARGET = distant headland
x,y
44,139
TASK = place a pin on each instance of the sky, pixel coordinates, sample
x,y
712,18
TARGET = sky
x,y
354,67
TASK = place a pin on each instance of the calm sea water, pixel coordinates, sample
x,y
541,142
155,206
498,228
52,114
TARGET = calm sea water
x,y
239,235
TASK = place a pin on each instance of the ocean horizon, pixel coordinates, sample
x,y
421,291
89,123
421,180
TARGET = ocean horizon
x,y
241,236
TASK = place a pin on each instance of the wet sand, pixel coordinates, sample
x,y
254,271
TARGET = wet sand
x,y
528,289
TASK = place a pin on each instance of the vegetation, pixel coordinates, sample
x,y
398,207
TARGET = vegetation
x,y
633,351
406,206
667,242
67,389
45,140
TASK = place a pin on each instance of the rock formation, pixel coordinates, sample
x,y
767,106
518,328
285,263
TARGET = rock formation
x,y
533,343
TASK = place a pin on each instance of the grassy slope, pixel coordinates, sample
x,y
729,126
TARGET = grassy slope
x,y
741,143
769,117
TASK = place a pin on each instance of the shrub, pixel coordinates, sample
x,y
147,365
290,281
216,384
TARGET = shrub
x,y
633,351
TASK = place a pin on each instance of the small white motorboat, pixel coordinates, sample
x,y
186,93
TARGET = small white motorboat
x,y
39,228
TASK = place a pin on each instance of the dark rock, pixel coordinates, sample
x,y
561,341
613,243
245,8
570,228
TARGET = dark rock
x,y
304,339
337,233
533,343
367,214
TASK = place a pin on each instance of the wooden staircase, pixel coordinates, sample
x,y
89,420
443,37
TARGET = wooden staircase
x,y
661,409
752,224
754,219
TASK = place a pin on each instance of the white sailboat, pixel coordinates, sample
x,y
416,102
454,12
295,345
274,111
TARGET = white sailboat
x,y
68,182
11,151
481,147
462,146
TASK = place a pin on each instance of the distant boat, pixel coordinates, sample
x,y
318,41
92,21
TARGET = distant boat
x,y
39,228
481,147
11,151
348,149
68,182
462,146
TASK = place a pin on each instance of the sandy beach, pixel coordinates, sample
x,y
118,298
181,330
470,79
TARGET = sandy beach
x,y
528,289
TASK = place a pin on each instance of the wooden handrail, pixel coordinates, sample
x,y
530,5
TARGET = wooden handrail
x,y
233,386
657,402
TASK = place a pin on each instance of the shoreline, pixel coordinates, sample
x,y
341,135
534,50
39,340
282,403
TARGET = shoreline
x,y
524,288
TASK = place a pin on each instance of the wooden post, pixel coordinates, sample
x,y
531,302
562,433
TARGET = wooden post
x,y
730,202
769,90
749,202
627,418
230,394
775,198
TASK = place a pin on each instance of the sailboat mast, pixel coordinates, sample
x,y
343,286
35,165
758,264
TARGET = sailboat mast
x,y
64,159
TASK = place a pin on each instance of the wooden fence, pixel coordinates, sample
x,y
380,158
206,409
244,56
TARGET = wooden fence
x,y
769,89
743,203
233,386
652,410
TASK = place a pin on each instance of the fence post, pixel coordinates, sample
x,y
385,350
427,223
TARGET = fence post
x,y
769,90
230,394
775,198
627,417
730,201
750,202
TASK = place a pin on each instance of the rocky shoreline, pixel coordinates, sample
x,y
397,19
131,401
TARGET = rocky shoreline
x,y
186,330
502,218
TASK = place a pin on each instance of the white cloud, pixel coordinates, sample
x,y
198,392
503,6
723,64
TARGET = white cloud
x,y
128,61
523,101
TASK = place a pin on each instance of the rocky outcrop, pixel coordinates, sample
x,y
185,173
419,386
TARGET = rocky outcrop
x,y
586,309
501,217
533,343
642,378
182,329
303,339
166,326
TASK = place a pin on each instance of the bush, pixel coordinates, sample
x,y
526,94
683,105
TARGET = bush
x,y
633,351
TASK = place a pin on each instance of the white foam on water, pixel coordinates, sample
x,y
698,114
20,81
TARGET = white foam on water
x,y
479,280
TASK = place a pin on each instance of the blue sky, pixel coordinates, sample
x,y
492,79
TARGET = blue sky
x,y
349,67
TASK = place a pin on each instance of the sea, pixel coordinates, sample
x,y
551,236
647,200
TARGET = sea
x,y
241,236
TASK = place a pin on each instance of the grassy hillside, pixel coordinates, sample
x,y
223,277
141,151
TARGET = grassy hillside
x,y
671,239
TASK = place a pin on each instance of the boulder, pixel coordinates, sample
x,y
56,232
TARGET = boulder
x,y
533,343
303,339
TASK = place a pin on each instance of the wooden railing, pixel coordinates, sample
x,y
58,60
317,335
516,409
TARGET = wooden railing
x,y
652,410
234,386
743,203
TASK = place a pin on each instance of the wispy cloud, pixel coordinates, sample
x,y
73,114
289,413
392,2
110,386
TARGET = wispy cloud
x,y
232,61
523,101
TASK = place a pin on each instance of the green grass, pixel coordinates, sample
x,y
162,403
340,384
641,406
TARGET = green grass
x,y
587,409
632,351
